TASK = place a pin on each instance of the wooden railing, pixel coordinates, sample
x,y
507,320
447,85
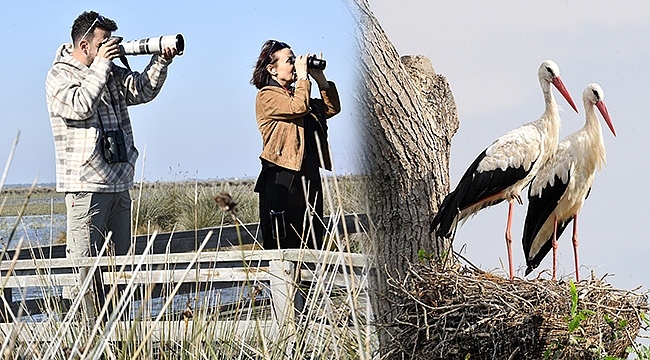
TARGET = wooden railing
x,y
187,241
173,259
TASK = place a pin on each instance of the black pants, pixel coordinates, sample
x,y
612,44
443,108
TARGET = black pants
x,y
281,192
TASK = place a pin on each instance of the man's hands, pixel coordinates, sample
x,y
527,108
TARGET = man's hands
x,y
110,49
168,53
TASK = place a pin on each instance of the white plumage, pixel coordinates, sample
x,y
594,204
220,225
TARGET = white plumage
x,y
518,147
508,165
561,186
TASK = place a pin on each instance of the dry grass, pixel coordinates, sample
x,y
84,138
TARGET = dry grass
x,y
165,206
42,200
178,205
333,325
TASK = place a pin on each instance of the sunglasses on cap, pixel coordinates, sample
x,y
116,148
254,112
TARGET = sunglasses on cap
x,y
100,20
280,45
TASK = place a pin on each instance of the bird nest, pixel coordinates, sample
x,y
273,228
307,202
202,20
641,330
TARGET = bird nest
x,y
464,312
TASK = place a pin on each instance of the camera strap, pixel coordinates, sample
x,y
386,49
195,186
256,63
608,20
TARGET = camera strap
x,y
286,198
101,124
118,115
125,62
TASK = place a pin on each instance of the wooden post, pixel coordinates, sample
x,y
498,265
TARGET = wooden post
x,y
283,290
8,310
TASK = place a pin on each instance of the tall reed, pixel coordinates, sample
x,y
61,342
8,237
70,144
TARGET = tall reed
x,y
139,320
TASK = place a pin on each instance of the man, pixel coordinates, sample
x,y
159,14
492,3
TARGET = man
x,y
87,98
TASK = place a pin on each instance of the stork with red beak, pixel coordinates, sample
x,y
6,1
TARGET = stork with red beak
x,y
562,185
507,166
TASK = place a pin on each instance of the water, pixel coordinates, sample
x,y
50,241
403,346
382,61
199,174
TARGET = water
x,y
210,299
44,229
34,229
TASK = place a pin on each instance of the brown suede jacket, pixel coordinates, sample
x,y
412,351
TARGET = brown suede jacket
x,y
280,119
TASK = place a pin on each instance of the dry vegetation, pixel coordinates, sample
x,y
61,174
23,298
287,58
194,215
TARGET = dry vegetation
x,y
333,326
178,205
464,312
190,205
460,312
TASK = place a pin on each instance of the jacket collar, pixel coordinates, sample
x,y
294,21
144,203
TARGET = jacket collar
x,y
272,82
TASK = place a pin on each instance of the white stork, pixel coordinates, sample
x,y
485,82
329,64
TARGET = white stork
x,y
507,166
561,186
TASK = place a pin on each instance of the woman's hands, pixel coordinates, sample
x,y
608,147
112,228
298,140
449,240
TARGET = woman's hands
x,y
318,75
302,70
301,66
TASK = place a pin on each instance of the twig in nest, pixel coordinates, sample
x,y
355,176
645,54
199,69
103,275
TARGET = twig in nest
x,y
466,260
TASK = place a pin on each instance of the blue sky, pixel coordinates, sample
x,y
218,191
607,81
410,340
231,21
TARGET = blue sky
x,y
490,52
202,125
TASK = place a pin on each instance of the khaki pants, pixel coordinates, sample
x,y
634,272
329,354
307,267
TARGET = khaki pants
x,y
90,216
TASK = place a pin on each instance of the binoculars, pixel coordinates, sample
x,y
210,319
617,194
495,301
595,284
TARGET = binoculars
x,y
315,63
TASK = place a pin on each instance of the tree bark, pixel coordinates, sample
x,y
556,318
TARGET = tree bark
x,y
409,117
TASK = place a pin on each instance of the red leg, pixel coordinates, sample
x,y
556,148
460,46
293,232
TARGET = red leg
x,y
575,244
554,247
511,207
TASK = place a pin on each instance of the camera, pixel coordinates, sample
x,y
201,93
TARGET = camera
x,y
114,146
315,63
119,40
153,45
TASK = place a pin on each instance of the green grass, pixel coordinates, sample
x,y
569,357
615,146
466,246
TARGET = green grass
x,y
181,205
41,202
190,205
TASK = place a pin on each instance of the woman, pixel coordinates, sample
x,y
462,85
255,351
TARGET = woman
x,y
292,125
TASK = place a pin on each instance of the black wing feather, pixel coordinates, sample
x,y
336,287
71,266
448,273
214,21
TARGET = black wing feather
x,y
533,263
540,208
473,187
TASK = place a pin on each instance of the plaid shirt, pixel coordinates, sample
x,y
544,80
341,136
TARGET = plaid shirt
x,y
77,97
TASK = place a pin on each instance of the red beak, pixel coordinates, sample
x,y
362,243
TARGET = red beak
x,y
560,87
603,111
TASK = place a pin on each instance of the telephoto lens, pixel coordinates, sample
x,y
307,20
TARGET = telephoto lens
x,y
153,45
315,63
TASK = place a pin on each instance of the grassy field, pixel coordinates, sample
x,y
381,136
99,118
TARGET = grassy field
x,y
182,205
41,201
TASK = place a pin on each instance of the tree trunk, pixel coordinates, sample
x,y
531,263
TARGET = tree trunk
x,y
409,117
